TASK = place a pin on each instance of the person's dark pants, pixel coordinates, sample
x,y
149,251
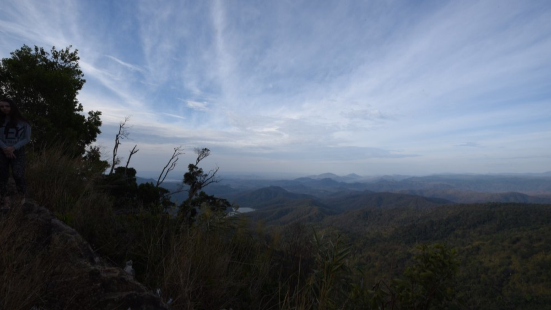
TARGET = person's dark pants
x,y
17,165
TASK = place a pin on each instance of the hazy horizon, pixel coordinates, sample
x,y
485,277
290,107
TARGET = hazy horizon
x,y
177,176
306,87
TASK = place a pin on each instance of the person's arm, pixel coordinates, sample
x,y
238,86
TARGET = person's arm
x,y
9,152
25,139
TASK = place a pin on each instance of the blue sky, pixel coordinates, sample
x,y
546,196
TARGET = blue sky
x,y
370,87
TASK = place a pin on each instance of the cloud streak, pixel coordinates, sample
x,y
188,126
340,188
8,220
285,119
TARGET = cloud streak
x,y
328,81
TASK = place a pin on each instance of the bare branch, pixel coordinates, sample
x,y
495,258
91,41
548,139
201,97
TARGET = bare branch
x,y
132,152
122,134
178,190
210,178
170,165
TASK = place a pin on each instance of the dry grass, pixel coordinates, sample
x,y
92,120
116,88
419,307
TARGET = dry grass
x,y
205,270
27,266
24,266
68,187
58,181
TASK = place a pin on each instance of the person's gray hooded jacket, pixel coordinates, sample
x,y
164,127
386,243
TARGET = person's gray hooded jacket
x,y
14,136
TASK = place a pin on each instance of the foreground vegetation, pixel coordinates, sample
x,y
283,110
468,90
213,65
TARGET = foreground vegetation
x,y
213,261
216,262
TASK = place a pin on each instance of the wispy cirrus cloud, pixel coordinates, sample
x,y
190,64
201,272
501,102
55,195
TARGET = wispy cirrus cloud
x,y
469,144
281,76
127,65
198,106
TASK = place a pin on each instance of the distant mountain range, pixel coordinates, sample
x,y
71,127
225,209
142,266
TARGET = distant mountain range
x,y
337,191
323,199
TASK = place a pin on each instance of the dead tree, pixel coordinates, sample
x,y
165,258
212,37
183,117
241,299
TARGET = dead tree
x,y
122,134
170,165
132,152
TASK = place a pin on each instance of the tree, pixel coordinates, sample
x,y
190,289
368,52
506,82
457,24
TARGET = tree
x,y
170,165
45,87
154,198
430,282
122,134
196,179
94,161
427,284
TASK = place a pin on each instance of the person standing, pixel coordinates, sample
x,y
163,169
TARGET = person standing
x,y
15,132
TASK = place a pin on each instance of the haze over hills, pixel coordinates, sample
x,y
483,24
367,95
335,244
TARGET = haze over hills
x,y
352,177
480,183
267,197
457,188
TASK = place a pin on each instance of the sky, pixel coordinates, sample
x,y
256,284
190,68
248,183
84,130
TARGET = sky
x,y
307,87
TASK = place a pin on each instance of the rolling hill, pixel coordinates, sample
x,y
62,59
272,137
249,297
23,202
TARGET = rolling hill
x,y
357,200
466,196
301,210
266,197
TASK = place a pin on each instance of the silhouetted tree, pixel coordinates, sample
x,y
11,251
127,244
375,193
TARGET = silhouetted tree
x,y
196,179
45,86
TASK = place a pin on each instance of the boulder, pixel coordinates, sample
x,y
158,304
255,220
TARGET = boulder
x,y
69,274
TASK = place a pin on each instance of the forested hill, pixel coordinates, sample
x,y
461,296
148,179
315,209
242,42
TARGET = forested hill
x,y
276,206
504,248
267,197
356,200
467,196
299,211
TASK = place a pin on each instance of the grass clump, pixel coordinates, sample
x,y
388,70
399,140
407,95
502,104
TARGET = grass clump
x,y
23,266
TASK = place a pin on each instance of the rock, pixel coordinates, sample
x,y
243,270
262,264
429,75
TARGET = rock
x,y
77,278
128,268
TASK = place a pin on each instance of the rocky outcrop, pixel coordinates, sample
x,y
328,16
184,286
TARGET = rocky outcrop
x,y
75,277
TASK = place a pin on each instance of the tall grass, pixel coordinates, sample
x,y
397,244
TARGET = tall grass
x,y
19,278
199,268
67,186
25,264
58,181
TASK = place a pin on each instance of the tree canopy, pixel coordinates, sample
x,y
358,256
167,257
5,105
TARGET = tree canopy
x,y
45,87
